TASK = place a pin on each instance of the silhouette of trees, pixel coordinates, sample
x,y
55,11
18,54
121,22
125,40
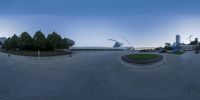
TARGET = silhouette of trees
x,y
54,41
14,42
7,44
194,42
38,42
26,41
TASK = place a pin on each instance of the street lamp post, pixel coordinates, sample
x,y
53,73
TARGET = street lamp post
x,y
38,54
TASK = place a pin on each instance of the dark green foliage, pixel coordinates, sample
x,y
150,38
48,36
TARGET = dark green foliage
x,y
70,42
194,43
179,52
66,43
25,42
39,41
54,41
168,48
142,56
6,44
14,42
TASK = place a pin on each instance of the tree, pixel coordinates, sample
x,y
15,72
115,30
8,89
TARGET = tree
x,y
14,42
168,48
71,42
194,42
54,41
26,41
6,44
39,41
1,43
66,43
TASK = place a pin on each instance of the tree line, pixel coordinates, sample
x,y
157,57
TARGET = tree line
x,y
38,42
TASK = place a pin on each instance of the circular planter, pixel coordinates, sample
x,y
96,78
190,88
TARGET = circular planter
x,y
136,61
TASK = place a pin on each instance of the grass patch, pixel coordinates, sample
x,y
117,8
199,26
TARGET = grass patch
x,y
180,53
35,53
142,56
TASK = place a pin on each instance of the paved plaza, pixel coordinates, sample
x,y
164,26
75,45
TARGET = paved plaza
x,y
99,75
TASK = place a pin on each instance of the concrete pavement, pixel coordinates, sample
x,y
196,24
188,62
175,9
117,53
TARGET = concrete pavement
x,y
98,75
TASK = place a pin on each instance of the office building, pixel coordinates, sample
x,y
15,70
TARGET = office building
x,y
196,39
178,39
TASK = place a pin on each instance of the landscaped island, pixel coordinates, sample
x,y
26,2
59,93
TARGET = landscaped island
x,y
26,45
142,58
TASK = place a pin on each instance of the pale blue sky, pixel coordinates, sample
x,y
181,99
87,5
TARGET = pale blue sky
x,y
93,22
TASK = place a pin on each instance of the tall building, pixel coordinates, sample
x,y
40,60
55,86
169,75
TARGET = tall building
x,y
196,39
178,39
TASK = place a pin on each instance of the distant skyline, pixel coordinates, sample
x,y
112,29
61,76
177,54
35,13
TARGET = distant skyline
x,y
144,23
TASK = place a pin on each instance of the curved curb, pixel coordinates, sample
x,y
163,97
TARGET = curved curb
x,y
143,66
142,61
36,55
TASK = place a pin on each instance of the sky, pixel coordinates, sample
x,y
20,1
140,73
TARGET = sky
x,y
144,23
